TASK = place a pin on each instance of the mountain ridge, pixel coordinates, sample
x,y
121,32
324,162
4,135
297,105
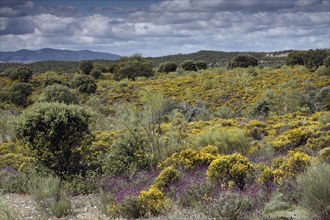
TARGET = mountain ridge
x,y
50,54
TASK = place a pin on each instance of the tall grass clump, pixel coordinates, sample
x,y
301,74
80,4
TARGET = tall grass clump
x,y
6,213
314,187
50,196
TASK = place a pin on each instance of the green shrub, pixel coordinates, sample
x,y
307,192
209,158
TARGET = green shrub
x,y
86,66
323,71
326,62
315,191
224,169
322,99
130,208
49,195
231,206
19,92
295,58
22,74
127,154
96,74
324,155
57,134
59,93
201,65
84,84
189,65
15,182
132,68
167,67
243,61
228,140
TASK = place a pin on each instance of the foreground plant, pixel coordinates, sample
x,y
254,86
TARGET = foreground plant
x,y
50,196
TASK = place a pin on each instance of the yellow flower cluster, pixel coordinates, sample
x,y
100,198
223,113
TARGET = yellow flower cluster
x,y
166,176
189,158
227,168
152,201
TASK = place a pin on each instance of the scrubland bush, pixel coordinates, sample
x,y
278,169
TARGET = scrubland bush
x,y
96,74
84,84
235,167
127,155
59,93
324,155
22,74
201,65
19,92
57,134
313,186
167,67
152,202
189,65
86,67
228,140
243,61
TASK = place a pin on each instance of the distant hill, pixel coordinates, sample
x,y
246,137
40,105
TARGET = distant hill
x,y
221,58
47,54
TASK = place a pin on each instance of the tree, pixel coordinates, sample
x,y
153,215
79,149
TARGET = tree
x,y
189,65
133,68
201,65
22,74
57,134
86,66
84,84
59,93
315,58
167,67
243,61
295,58
327,62
19,92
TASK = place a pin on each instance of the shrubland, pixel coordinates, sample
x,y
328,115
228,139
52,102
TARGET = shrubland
x,y
179,142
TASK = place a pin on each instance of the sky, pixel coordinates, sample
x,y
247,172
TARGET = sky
x,y
163,27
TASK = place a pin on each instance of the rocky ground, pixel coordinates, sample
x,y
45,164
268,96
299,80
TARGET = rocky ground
x,y
25,208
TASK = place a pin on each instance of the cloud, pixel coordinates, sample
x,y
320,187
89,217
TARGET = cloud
x,y
170,27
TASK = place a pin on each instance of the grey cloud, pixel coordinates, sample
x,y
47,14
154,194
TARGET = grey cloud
x,y
16,26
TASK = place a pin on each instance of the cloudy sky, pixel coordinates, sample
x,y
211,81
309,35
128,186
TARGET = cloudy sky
x,y
161,27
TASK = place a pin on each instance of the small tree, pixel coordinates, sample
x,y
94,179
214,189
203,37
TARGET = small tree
x,y
189,65
133,68
243,61
167,67
57,134
84,84
315,58
295,58
19,92
59,93
86,67
22,74
201,65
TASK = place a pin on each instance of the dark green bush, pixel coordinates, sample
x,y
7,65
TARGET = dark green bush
x,y
19,92
86,67
167,67
84,84
22,74
322,99
57,134
96,74
59,93
295,58
127,154
133,68
201,65
327,62
315,58
243,61
189,65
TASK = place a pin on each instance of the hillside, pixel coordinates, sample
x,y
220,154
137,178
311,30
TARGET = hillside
x,y
206,144
47,54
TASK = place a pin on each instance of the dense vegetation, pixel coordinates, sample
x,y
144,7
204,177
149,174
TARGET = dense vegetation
x,y
180,140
